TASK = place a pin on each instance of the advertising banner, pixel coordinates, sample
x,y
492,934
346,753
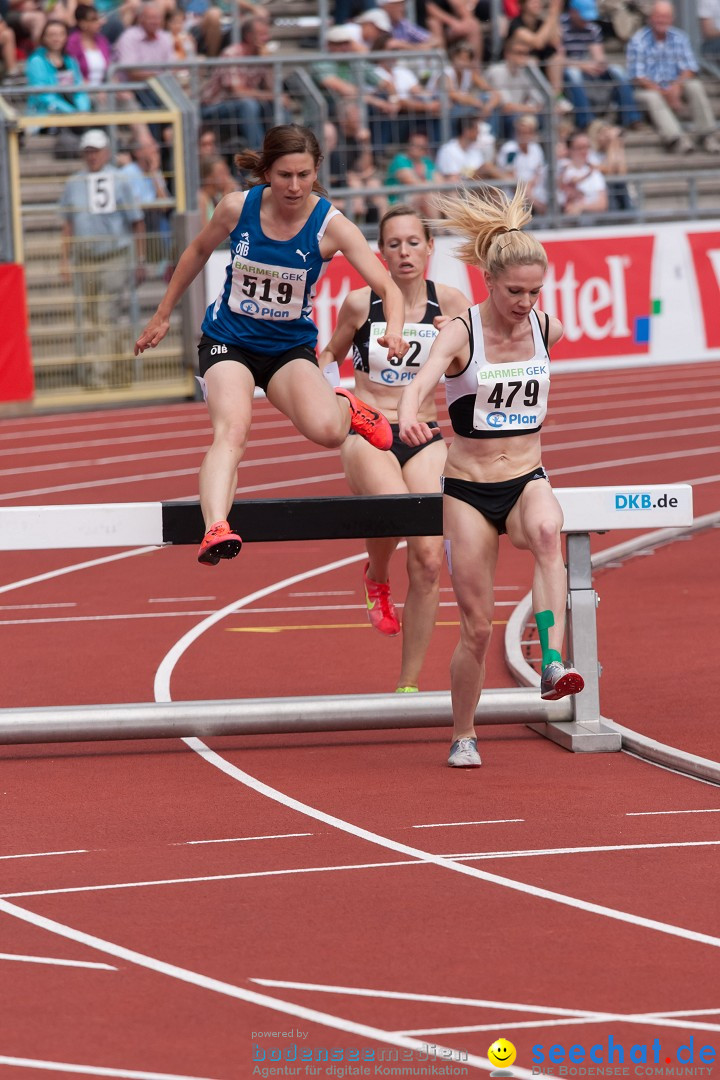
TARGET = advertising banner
x,y
626,296
16,376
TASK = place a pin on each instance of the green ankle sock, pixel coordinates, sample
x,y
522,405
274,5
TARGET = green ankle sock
x,y
544,620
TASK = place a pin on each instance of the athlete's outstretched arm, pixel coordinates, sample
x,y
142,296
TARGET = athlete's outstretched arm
x,y
353,313
346,238
450,344
189,265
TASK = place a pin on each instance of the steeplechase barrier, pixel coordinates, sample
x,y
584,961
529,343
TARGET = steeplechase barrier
x,y
575,723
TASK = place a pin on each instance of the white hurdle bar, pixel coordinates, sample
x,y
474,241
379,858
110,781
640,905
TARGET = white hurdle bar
x,y
574,723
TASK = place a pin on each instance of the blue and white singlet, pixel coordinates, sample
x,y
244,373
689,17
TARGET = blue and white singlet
x,y
265,303
491,401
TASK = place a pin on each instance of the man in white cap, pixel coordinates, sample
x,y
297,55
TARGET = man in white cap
x,y
103,239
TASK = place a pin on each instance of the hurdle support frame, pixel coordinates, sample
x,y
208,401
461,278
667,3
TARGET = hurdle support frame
x,y
575,723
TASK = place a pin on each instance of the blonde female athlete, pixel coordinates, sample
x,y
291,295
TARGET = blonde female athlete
x,y
497,377
405,244
259,331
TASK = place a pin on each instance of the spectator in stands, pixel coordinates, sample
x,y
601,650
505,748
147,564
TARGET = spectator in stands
x,y
239,99
116,16
523,159
50,65
663,67
469,93
216,180
608,154
414,107
540,31
519,95
26,19
414,166
9,69
581,185
404,33
141,47
709,15
586,66
90,48
452,21
462,158
148,183
103,237
375,27
184,46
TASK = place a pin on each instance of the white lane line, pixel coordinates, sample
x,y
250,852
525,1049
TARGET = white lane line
x,y
203,879
456,824
124,459
700,451
242,839
56,961
659,813
50,574
645,436
504,1025
177,599
163,436
536,892
583,1015
91,1070
206,982
35,607
44,854
581,850
138,478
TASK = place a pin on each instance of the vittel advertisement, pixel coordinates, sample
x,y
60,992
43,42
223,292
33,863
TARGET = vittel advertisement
x,y
625,296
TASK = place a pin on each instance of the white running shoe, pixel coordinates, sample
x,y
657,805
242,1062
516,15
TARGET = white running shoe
x,y
464,754
559,681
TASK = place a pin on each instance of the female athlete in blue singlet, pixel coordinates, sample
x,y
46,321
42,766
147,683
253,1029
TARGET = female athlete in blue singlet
x,y
497,375
405,244
259,330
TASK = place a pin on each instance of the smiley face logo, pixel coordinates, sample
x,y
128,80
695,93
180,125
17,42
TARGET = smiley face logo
x,y
502,1053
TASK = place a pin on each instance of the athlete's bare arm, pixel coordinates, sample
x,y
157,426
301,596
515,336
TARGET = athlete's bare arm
x,y
451,346
190,263
352,314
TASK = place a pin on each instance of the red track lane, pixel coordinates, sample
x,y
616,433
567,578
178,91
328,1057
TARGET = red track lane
x,y
100,633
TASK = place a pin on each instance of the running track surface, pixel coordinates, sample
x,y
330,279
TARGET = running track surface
x,y
163,901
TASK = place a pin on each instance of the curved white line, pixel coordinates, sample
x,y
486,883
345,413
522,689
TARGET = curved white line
x,y
164,671
444,863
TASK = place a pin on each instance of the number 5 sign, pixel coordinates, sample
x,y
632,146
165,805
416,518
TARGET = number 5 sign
x,y
101,193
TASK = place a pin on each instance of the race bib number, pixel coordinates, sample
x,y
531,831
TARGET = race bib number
x,y
394,371
101,193
266,292
511,400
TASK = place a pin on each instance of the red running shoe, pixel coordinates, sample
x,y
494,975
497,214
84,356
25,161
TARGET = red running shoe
x,y
219,542
368,422
380,607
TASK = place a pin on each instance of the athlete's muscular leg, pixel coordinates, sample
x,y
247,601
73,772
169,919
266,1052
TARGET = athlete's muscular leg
x,y
535,523
305,396
370,471
472,545
230,388
424,562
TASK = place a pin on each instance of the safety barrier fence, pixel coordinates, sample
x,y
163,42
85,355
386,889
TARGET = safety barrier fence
x,y
575,724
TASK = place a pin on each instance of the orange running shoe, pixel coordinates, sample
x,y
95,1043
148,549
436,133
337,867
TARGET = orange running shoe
x,y
368,422
380,607
219,542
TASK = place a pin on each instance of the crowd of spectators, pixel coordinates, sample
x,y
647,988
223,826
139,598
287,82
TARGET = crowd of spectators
x,y
403,115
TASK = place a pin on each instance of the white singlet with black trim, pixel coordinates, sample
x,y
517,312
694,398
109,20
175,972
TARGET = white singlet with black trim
x,y
490,401
372,358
